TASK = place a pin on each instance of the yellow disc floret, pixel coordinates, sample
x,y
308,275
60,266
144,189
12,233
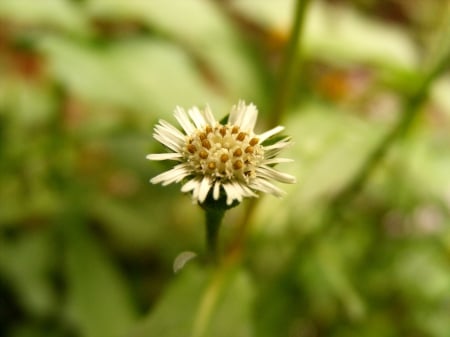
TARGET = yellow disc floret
x,y
223,152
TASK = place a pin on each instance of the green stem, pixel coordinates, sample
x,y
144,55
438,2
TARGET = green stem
x,y
285,87
214,218
290,66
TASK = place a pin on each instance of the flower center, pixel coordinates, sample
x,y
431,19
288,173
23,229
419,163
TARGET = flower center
x,y
224,152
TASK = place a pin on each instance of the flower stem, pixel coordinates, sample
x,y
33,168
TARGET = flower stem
x,y
213,218
290,65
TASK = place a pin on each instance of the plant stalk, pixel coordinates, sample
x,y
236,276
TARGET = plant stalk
x,y
213,219
291,64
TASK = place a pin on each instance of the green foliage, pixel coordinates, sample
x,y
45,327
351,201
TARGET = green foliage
x,y
201,303
358,247
97,296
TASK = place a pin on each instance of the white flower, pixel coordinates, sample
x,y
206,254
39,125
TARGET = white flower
x,y
214,157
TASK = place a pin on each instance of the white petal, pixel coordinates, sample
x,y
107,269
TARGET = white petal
x,y
197,117
209,116
249,118
196,190
277,161
168,142
190,185
184,121
238,190
270,173
236,113
172,130
270,133
281,144
248,191
243,190
274,149
266,187
174,175
164,156
231,193
216,191
272,153
205,186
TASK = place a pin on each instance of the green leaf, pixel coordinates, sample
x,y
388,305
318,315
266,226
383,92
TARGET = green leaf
x,y
25,265
147,76
224,119
200,304
338,32
233,315
198,25
99,302
60,13
174,314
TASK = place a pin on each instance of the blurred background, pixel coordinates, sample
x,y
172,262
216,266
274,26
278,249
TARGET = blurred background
x,y
360,246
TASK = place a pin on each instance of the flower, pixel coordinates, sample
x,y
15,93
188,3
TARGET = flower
x,y
217,158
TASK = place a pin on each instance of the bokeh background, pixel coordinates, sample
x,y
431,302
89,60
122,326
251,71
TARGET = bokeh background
x,y
360,246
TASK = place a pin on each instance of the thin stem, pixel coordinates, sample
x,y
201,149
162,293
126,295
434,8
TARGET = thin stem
x,y
290,64
213,220
282,97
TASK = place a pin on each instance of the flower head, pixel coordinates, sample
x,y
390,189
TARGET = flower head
x,y
216,159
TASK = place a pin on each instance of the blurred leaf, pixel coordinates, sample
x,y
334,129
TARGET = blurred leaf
x,y
434,320
146,76
338,32
99,298
34,330
434,282
197,25
329,260
439,94
345,33
174,314
28,105
128,225
424,159
198,304
60,13
161,76
25,264
329,147
234,312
